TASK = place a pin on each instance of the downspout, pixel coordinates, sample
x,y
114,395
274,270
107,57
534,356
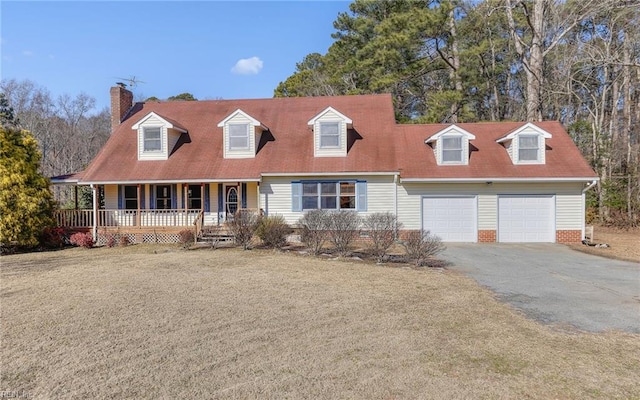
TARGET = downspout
x,y
395,202
94,190
584,206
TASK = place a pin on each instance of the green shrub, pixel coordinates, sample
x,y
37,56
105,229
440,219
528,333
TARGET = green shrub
x,y
273,231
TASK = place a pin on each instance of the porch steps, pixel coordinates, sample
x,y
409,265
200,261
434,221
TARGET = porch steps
x,y
213,235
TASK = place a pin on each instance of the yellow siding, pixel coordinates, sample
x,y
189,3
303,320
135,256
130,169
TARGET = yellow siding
x,y
111,197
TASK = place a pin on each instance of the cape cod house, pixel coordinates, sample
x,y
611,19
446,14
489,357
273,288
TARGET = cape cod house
x,y
171,165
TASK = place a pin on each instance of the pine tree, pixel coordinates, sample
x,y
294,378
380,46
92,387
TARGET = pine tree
x,y
26,201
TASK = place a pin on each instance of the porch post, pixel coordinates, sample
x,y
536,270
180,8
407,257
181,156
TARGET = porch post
x,y
75,196
258,197
138,193
185,189
94,192
202,196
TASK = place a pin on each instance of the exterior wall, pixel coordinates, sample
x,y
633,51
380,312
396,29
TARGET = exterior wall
x,y
569,203
111,197
248,153
275,194
568,236
487,236
341,151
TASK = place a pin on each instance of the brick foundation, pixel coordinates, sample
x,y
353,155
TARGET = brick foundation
x,y
574,236
486,236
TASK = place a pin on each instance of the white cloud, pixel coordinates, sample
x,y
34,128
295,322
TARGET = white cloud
x,y
27,53
247,66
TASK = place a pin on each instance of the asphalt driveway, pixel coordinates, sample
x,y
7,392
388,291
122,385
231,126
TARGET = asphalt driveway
x,y
554,284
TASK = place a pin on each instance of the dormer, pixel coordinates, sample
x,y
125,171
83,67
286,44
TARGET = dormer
x,y
157,136
330,133
240,135
451,145
526,145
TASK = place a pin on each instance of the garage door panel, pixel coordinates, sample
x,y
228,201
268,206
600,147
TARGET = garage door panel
x,y
453,219
526,218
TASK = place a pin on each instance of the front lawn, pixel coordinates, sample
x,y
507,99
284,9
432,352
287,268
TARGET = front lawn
x,y
160,322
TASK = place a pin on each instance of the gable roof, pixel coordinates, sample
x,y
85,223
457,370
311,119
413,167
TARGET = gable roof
x,y
452,128
517,131
168,122
376,145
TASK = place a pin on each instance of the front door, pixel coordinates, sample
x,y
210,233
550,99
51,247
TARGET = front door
x,y
231,201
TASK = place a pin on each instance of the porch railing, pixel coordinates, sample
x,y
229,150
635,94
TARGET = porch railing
x,y
127,218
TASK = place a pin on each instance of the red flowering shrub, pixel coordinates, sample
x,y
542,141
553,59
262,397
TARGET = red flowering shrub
x,y
82,240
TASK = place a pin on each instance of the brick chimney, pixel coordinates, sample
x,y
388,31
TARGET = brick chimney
x,y
121,103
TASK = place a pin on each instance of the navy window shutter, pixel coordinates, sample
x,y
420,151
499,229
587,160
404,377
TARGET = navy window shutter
x,y
174,196
152,197
207,198
142,204
120,197
361,191
296,196
244,194
220,194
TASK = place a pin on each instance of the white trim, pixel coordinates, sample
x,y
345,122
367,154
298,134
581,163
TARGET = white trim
x,y
254,121
166,123
353,173
528,125
450,129
343,117
493,180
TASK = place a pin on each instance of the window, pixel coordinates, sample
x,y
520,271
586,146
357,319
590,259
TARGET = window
x,y
152,139
528,148
329,134
238,136
131,197
194,197
163,197
329,195
452,149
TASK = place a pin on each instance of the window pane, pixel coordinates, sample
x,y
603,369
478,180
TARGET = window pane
x,y
451,143
328,188
329,141
131,204
309,202
195,203
330,134
451,155
238,142
195,191
238,130
348,202
528,155
329,128
328,202
131,192
309,189
347,188
528,142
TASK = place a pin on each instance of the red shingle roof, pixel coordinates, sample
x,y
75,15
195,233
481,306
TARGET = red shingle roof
x,y
378,144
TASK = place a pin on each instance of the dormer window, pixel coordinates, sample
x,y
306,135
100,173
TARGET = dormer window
x,y
157,136
451,145
329,135
330,129
152,138
238,136
528,148
452,150
526,145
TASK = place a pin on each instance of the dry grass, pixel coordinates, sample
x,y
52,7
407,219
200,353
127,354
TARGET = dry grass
x,y
624,243
154,322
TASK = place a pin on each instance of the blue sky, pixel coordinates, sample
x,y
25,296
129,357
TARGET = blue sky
x,y
212,49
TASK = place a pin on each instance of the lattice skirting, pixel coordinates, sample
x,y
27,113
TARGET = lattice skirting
x,y
146,237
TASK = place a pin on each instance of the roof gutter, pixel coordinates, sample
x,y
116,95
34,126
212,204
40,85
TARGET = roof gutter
x,y
592,184
154,182
493,180
357,173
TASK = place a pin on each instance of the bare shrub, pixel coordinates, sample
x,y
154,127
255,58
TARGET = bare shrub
x,y
124,240
243,226
273,231
112,240
383,231
314,229
344,227
187,237
421,246
82,240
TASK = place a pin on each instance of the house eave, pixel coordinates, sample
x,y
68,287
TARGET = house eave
x,y
497,180
167,181
350,173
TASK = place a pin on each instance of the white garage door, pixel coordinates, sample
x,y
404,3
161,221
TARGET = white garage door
x,y
528,218
451,218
